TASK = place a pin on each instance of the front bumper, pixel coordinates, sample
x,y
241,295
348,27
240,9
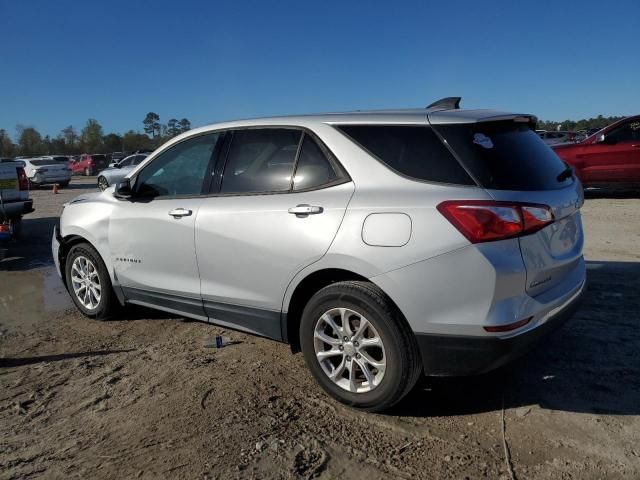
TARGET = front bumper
x,y
56,239
452,355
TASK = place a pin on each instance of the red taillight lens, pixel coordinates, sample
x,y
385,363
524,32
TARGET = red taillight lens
x,y
486,221
23,182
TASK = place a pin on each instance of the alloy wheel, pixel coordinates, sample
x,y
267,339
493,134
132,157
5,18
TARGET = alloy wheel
x,y
85,282
349,350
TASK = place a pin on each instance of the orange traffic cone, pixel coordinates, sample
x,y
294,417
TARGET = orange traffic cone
x,y
55,188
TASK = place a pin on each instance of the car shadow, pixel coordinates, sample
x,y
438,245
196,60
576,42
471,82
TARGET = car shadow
x,y
590,365
33,248
20,362
603,193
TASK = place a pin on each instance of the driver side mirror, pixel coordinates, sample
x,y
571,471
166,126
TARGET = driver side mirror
x,y
123,190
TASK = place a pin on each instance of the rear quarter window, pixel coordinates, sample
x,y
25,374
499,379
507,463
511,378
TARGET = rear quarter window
x,y
412,151
505,155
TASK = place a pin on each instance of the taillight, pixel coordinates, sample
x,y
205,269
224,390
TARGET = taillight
x,y
486,220
23,181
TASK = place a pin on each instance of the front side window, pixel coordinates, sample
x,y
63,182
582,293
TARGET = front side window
x,y
261,160
180,170
628,132
126,162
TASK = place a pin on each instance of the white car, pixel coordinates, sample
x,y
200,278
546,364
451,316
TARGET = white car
x,y
46,170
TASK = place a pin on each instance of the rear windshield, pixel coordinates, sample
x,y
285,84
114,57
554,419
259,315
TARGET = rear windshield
x,y
412,151
506,155
40,163
99,158
61,159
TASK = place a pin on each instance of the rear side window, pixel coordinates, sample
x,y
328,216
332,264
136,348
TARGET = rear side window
x,y
313,168
261,160
505,155
413,151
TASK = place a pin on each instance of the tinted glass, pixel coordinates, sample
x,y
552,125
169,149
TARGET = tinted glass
x,y
99,159
629,132
260,160
180,170
126,162
39,163
414,151
313,169
138,160
505,155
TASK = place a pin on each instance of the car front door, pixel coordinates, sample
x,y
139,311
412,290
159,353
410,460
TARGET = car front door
x,y
151,235
275,208
617,158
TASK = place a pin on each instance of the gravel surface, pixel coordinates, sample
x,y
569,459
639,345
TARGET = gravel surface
x,y
143,397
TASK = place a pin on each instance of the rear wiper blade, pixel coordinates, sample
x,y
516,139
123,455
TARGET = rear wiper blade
x,y
566,173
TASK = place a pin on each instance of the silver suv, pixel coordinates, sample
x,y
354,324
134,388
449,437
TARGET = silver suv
x,y
384,245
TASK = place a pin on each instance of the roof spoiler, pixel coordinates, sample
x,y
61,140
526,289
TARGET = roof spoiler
x,y
447,103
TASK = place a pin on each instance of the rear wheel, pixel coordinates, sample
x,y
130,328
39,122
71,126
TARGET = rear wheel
x,y
64,184
103,184
88,282
358,346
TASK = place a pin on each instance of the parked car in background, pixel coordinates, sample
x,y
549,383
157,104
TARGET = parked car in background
x,y
384,245
608,158
554,138
113,174
89,164
14,200
46,171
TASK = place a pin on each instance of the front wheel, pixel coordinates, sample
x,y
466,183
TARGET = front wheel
x,y
88,282
103,184
358,346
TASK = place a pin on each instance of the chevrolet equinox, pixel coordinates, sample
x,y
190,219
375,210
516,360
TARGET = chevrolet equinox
x,y
383,245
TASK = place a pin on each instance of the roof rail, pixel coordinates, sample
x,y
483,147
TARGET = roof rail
x,y
447,103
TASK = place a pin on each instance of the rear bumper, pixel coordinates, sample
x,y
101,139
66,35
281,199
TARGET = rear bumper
x,y
18,208
452,355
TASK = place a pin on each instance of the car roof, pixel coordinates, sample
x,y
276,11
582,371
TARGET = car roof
x,y
398,117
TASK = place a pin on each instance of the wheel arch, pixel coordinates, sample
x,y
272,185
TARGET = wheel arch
x,y
68,242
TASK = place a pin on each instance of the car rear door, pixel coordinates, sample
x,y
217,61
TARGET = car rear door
x,y
276,205
151,235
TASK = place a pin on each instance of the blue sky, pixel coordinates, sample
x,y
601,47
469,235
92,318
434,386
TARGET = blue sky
x,y
65,61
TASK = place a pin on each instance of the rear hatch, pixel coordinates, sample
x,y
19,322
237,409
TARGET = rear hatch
x,y
513,164
100,162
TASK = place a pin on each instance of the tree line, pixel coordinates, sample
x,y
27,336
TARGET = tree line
x,y
575,125
90,139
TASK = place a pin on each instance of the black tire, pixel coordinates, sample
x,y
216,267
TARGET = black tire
x,y
403,364
108,303
64,184
16,223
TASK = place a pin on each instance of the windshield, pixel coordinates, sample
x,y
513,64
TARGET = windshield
x,y
506,155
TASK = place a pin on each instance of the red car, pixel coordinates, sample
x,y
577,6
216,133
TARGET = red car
x,y
88,164
609,157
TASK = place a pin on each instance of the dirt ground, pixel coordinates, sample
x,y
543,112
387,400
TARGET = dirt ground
x,y
142,397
